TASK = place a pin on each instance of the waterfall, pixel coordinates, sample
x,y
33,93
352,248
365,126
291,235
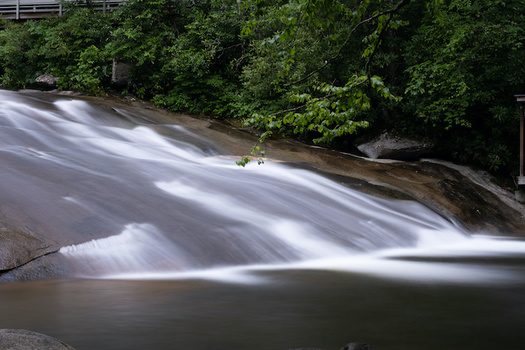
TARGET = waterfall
x,y
131,200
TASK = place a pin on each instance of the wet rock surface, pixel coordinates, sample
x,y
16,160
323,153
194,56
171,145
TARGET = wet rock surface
x,y
469,197
19,246
50,266
20,339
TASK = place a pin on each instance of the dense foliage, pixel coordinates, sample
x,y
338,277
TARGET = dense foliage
x,y
465,65
320,70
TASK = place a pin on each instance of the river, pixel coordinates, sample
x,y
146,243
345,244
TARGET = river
x,y
166,243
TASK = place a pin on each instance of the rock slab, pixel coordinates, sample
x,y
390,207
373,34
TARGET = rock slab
x,y
20,339
19,246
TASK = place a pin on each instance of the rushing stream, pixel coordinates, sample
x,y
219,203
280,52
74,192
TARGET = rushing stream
x,y
168,244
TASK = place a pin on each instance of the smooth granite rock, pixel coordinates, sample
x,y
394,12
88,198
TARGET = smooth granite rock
x,y
20,339
19,246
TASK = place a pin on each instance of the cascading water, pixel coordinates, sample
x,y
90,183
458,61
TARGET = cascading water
x,y
158,205
131,201
199,211
180,208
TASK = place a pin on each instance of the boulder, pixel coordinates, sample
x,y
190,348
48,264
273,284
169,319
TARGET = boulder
x,y
20,339
396,147
47,80
121,73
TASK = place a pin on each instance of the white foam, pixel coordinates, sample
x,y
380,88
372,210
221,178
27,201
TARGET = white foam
x,y
231,274
386,263
139,247
76,110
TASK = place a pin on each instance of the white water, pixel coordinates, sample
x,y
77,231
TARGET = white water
x,y
138,205
131,254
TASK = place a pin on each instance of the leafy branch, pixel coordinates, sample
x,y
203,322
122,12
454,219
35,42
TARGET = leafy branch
x,y
256,151
326,111
389,13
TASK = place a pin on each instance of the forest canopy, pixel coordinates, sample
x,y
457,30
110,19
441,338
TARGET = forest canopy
x,y
323,71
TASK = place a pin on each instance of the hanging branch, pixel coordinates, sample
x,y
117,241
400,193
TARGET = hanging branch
x,y
389,12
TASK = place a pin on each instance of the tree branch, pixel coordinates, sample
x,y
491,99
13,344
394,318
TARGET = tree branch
x,y
305,104
327,61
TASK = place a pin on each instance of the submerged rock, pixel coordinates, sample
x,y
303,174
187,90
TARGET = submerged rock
x,y
20,339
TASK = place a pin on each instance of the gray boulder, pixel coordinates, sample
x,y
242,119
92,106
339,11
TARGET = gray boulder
x,y
388,146
121,73
20,339
47,80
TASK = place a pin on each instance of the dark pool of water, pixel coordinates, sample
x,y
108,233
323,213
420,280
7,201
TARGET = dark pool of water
x,y
291,309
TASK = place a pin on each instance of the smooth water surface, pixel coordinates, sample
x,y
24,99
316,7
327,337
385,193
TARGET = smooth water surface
x,y
291,309
170,245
